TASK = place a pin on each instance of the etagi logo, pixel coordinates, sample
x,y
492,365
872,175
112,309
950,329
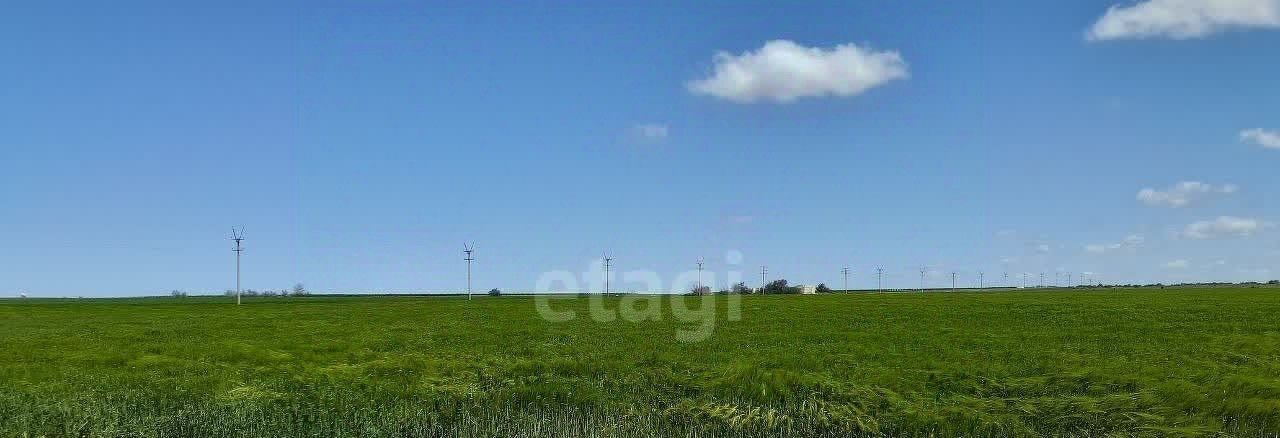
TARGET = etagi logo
x,y
698,313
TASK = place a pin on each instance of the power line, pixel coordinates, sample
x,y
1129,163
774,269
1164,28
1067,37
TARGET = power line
x,y
237,235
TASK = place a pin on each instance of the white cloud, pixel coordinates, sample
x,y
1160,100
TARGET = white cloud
x,y
1130,241
1183,19
1043,248
1178,264
1223,226
1261,137
783,71
1183,193
650,131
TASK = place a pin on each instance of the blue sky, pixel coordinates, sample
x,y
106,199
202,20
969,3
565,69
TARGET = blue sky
x,y
360,143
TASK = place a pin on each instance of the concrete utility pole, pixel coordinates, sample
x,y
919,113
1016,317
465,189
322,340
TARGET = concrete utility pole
x,y
845,271
237,235
981,280
468,250
879,279
763,271
922,271
953,281
607,262
700,262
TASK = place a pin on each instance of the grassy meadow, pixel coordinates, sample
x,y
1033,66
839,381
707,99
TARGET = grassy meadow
x,y
1172,362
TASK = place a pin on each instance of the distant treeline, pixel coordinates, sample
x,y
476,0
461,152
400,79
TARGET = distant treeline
x,y
776,287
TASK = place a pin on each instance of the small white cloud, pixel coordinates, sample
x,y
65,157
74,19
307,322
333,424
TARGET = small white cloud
x,y
1183,19
1183,193
650,131
1261,137
1177,264
783,71
1043,248
1223,226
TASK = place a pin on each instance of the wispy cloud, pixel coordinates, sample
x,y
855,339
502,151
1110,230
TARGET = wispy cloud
x,y
1223,226
783,71
650,131
1130,241
1183,19
1261,137
1183,193
1178,264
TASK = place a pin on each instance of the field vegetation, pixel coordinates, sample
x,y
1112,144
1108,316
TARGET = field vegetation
x,y
1175,362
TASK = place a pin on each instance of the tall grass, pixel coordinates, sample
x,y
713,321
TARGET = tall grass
x,y
1131,362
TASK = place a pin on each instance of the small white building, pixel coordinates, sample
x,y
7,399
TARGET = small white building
x,y
807,289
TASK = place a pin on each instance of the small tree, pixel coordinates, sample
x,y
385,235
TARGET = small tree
x,y
822,289
268,293
495,292
780,287
741,288
700,290
300,291
178,294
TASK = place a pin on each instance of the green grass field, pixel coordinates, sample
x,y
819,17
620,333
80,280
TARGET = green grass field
x,y
1034,363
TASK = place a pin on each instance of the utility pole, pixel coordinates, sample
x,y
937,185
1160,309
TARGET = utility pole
x,y
922,271
700,262
763,271
1041,279
845,271
953,281
1024,280
879,278
981,280
237,235
607,261
468,249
